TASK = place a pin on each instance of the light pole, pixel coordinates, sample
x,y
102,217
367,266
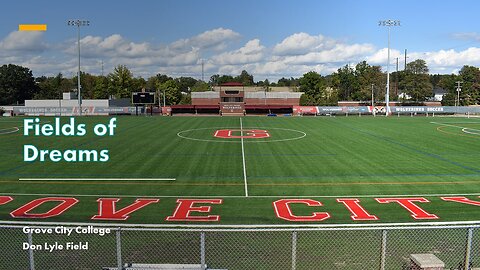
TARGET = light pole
x,y
203,67
373,104
78,23
388,23
459,88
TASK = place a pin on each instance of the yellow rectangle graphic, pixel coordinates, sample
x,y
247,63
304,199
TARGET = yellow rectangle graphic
x,y
32,27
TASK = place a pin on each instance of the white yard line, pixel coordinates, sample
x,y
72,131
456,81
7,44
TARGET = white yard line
x,y
96,179
242,196
255,227
243,159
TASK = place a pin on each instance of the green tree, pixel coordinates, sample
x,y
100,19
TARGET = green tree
x,y
470,94
52,87
366,75
173,95
139,84
46,88
447,82
214,79
310,83
265,85
416,81
101,89
185,84
87,81
16,84
346,82
313,85
186,99
154,81
225,79
200,87
245,78
121,82
306,100
292,82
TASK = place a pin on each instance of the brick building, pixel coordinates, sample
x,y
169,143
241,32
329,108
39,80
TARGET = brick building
x,y
233,99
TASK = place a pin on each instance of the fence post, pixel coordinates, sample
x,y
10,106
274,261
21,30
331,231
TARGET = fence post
x,y
202,250
468,251
384,250
119,249
294,250
30,251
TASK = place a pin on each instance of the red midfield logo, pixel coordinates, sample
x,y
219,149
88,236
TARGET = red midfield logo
x,y
237,133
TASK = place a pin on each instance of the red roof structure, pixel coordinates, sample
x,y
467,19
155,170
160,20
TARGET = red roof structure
x,y
232,84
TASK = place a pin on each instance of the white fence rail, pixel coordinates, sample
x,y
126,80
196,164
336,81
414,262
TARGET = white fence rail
x,y
247,247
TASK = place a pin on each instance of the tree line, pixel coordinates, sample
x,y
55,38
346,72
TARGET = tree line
x,y
412,86
348,83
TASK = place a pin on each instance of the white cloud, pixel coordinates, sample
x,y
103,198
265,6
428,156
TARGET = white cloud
x,y
216,39
449,60
293,55
441,61
118,49
253,51
341,53
302,43
111,46
380,57
474,36
23,41
300,53
187,58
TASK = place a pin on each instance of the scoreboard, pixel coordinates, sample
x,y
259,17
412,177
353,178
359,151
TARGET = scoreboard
x,y
143,98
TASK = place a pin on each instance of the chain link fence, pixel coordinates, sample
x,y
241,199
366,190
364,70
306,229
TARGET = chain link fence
x,y
241,247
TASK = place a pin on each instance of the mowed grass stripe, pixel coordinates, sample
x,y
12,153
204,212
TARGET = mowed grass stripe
x,y
354,154
411,146
334,158
135,182
358,154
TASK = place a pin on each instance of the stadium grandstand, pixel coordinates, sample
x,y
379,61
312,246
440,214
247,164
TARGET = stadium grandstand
x,y
235,99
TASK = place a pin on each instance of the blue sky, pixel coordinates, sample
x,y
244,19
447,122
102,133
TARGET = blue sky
x,y
269,39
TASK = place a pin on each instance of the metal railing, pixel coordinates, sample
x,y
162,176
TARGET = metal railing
x,y
237,247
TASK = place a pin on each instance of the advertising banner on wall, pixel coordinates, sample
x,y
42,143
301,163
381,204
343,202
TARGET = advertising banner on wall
x,y
325,110
68,111
305,110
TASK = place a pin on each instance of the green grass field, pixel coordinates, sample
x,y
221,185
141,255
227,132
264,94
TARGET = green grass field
x,y
321,158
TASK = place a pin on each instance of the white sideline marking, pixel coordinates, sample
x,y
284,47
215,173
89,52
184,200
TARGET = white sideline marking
x,y
450,125
466,130
96,179
277,227
243,160
241,196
